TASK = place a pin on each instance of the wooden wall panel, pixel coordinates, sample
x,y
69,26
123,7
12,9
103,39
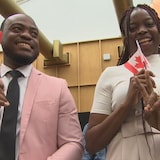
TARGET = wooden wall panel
x,y
90,62
86,98
1,57
86,65
70,72
74,92
110,46
51,70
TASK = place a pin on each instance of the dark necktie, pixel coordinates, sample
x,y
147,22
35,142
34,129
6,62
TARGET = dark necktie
x,y
9,121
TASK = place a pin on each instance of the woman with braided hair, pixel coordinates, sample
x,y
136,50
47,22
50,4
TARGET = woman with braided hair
x,y
117,115
125,28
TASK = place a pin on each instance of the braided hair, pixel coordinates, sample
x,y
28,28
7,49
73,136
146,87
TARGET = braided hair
x,y
124,27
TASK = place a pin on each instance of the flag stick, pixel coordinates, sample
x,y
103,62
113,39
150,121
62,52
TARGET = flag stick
x,y
144,67
142,57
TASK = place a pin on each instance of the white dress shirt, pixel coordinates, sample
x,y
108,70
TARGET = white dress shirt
x,y
22,81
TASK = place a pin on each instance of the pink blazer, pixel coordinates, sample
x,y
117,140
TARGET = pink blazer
x,y
50,129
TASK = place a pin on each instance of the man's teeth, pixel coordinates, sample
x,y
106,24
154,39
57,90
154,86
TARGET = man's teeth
x,y
24,45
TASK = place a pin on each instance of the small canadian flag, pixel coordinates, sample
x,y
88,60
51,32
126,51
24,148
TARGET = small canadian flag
x,y
137,62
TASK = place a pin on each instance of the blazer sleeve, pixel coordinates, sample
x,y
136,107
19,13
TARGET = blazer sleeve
x,y
69,129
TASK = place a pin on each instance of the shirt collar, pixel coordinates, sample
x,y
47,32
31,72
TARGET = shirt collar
x,y
25,70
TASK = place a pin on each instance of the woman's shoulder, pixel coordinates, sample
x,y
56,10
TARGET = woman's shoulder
x,y
116,70
114,74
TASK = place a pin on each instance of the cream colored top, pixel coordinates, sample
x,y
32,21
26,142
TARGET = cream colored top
x,y
130,142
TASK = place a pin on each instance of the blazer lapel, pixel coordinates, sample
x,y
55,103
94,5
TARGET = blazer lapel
x,y
31,90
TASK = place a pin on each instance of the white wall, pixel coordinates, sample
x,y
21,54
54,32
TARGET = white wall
x,y
75,20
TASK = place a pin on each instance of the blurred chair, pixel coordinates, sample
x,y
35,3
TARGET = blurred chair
x,y
83,118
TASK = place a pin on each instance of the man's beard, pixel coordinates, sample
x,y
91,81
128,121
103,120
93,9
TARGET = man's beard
x,y
22,60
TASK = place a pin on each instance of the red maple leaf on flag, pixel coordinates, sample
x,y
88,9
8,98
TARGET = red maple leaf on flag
x,y
139,62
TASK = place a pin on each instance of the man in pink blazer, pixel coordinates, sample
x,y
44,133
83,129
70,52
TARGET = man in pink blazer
x,y
47,127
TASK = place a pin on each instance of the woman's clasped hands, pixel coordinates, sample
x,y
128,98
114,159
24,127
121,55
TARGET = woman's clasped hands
x,y
151,100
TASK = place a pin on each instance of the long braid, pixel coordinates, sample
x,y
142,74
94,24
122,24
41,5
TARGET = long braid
x,y
124,27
